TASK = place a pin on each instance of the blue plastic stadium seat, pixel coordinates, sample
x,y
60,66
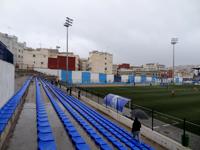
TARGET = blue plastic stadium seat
x,y
44,129
4,120
43,124
100,141
46,145
74,134
78,140
45,136
42,119
44,132
10,106
82,147
105,147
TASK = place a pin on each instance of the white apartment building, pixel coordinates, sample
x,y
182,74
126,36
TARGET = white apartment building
x,y
115,69
154,67
83,64
35,58
100,62
53,53
17,48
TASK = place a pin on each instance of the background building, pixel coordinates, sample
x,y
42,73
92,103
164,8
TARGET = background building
x,y
71,56
100,62
35,58
15,47
114,69
83,64
60,63
153,67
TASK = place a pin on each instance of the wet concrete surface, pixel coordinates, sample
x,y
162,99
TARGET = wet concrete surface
x,y
25,133
63,141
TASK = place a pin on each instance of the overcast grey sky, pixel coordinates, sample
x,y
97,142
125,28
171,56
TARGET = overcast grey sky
x,y
135,31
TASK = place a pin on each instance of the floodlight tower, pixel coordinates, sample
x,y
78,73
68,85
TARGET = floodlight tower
x,y
67,24
173,42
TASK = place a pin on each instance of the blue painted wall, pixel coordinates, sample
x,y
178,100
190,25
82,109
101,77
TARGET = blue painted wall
x,y
86,77
143,78
64,75
131,78
117,78
102,78
177,80
153,79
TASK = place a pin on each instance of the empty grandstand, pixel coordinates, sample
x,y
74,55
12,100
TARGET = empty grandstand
x,y
84,128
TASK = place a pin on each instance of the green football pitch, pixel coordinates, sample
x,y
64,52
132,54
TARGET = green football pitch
x,y
184,104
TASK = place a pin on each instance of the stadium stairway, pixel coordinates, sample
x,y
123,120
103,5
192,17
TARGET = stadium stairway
x,y
118,136
45,136
10,111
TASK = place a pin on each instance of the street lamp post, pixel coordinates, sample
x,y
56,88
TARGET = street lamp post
x,y
67,24
57,47
173,42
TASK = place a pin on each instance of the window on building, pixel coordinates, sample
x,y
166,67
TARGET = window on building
x,y
18,56
19,50
106,68
33,55
42,63
105,58
34,62
44,56
105,63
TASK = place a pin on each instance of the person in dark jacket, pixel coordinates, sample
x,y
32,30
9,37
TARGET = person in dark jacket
x,y
136,129
79,94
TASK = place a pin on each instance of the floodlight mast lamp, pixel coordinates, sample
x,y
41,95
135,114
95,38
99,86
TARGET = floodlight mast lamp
x,y
173,42
67,24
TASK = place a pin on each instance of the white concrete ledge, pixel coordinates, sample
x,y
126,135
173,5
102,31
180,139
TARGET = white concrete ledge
x,y
145,131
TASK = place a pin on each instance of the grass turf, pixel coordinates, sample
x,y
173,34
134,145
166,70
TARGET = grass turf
x,y
184,104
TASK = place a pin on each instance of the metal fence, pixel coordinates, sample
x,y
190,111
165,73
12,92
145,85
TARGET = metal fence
x,y
180,130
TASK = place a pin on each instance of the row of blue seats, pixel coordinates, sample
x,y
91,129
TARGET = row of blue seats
x,y
7,111
44,132
102,130
119,132
87,127
76,138
125,138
